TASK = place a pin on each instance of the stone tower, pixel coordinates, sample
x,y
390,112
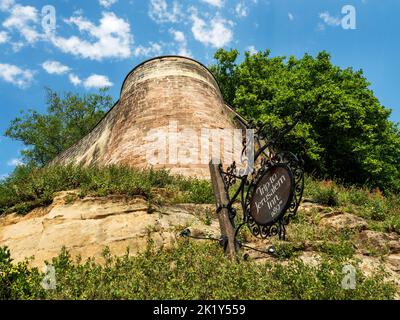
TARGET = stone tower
x,y
174,93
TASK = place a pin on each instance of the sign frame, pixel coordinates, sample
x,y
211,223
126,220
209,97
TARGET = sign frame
x,y
254,187
266,157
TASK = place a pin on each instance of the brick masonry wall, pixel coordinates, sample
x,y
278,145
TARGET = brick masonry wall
x,y
163,93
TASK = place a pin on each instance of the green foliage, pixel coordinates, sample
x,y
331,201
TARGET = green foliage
x,y
392,223
208,219
68,119
346,133
225,72
337,249
194,271
324,193
381,211
18,281
200,191
30,187
5,256
284,250
376,209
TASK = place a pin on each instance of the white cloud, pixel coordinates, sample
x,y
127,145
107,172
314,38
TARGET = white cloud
x,y
290,16
15,162
97,81
184,52
74,79
180,38
15,75
55,67
107,3
24,20
215,3
252,50
216,32
241,10
16,46
3,37
154,49
330,20
161,12
6,4
112,36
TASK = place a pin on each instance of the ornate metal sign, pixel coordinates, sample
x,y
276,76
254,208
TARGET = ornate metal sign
x,y
271,194
270,190
274,195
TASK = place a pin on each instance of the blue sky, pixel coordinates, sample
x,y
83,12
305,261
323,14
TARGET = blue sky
x,y
95,43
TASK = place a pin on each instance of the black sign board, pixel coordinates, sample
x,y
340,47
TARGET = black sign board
x,y
272,195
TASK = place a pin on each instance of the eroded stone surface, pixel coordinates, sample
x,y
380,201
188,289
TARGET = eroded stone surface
x,y
342,221
379,241
87,226
394,260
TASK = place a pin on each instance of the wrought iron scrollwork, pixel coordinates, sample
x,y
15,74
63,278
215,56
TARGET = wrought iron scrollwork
x,y
230,175
278,227
266,158
296,165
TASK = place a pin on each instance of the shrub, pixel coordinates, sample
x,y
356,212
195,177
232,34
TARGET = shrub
x,y
30,187
324,193
194,271
337,249
357,196
376,209
18,281
392,224
284,250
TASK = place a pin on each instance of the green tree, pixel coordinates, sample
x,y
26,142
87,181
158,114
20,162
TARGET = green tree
x,y
346,134
69,118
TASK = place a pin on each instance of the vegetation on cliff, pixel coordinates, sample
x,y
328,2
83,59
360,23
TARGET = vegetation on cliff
x,y
189,271
31,187
198,270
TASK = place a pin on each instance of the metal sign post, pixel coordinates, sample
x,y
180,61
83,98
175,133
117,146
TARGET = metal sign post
x,y
270,193
226,220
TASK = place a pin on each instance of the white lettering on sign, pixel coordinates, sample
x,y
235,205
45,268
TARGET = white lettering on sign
x,y
268,193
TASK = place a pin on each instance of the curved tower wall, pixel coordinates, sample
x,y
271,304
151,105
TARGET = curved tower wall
x,y
174,96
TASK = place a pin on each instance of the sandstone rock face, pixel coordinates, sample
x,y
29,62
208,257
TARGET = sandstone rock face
x,y
342,221
381,242
174,95
394,260
87,226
